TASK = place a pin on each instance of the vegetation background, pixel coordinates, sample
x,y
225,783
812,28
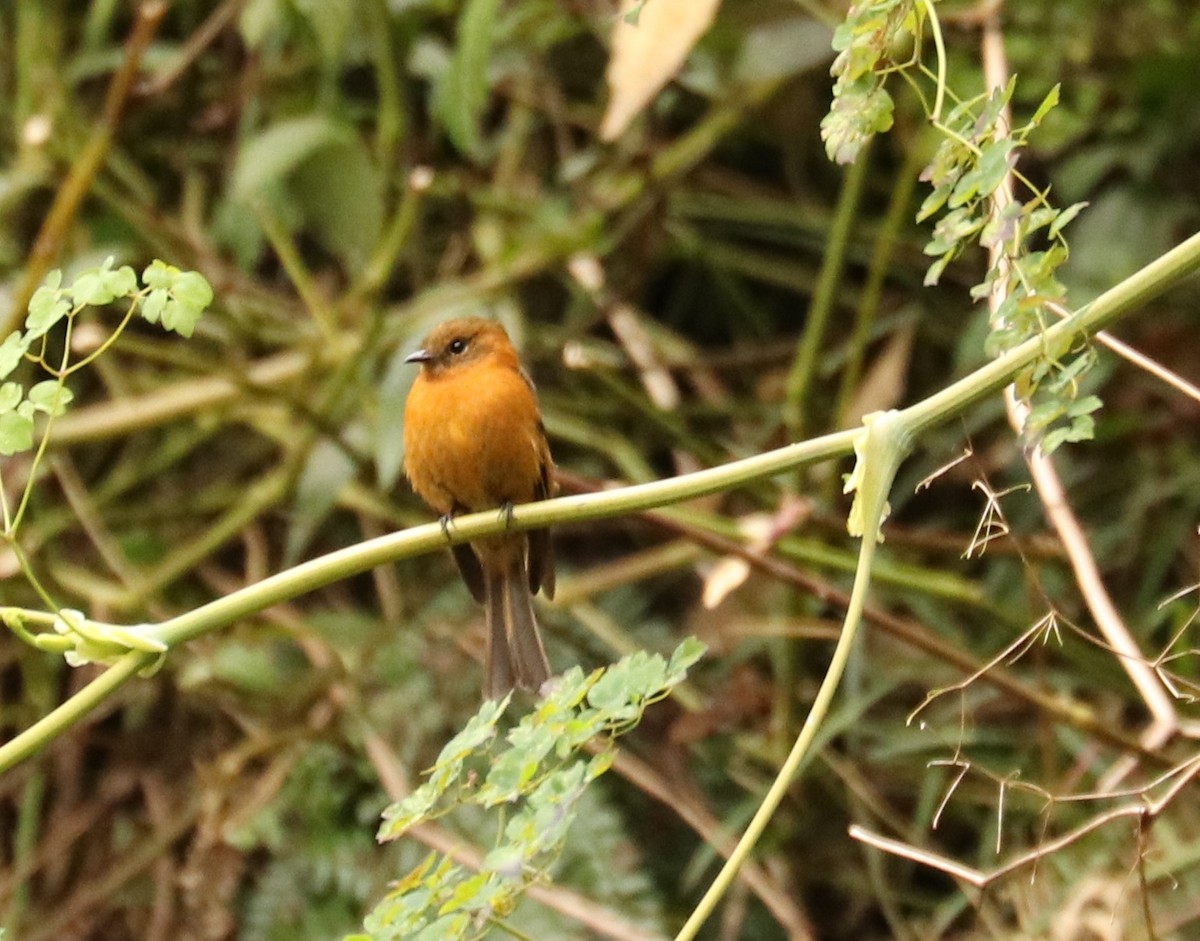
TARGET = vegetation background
x,y
347,174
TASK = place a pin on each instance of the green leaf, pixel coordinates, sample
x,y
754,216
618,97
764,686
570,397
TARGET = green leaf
x,y
11,352
934,274
517,765
103,285
340,193
16,433
461,93
180,317
479,730
628,681
398,377
1052,441
1049,103
1065,217
326,472
859,111
507,861
987,175
122,282
159,275
89,288
686,656
192,289
11,394
51,397
266,158
46,308
152,307
398,817
447,928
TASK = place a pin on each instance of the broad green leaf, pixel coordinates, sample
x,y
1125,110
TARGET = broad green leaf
x,y
50,397
448,928
159,275
1064,218
1049,103
11,351
180,317
397,379
480,729
46,308
398,817
192,288
152,307
340,192
461,93
11,394
268,156
685,656
326,472
122,282
16,433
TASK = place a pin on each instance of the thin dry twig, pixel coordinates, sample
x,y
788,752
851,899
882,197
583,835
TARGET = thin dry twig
x,y
1050,488
1144,810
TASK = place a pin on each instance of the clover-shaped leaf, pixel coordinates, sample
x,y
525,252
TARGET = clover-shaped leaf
x,y
16,433
11,351
51,397
46,308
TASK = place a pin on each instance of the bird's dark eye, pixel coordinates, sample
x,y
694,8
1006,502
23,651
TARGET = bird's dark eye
x,y
458,346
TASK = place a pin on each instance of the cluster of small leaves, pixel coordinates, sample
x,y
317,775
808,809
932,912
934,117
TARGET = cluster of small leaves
x,y
865,43
537,773
972,162
174,298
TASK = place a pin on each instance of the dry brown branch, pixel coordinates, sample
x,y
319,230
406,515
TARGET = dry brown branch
x,y
1145,811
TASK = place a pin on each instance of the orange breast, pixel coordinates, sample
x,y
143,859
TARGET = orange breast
x,y
473,439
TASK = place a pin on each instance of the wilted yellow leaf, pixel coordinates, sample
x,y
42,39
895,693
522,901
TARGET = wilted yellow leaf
x,y
646,56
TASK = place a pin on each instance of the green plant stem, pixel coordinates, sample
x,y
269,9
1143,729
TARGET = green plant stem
x,y
881,257
390,115
25,845
800,377
289,257
54,724
383,259
1150,281
886,450
939,44
1162,273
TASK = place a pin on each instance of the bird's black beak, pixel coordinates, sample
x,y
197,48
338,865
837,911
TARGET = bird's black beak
x,y
418,356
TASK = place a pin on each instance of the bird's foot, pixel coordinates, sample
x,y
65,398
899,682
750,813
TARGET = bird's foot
x,y
506,513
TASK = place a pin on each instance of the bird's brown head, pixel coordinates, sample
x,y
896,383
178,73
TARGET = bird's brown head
x,y
461,342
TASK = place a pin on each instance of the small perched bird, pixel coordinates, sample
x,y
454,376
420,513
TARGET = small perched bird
x,y
474,440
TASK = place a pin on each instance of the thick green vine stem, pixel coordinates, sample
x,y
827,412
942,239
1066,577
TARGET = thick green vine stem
x,y
1154,279
880,447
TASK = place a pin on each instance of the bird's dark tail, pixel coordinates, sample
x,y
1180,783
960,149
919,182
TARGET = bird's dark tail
x,y
515,656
